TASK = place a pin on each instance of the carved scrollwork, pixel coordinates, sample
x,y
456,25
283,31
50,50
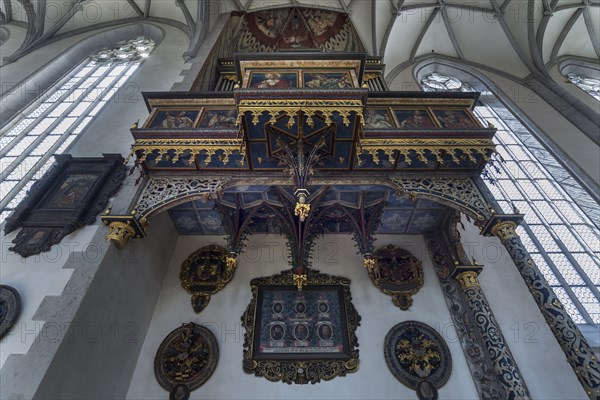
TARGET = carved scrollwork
x,y
206,272
398,273
298,366
161,190
461,193
188,355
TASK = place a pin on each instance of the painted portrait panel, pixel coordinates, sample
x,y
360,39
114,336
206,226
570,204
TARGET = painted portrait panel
x,y
454,119
299,325
414,119
273,80
327,80
174,119
378,119
219,119
72,191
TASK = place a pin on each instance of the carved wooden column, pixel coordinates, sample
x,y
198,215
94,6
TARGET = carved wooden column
x,y
577,350
505,366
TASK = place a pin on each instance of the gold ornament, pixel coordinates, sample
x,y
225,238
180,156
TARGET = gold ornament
x,y
119,233
300,280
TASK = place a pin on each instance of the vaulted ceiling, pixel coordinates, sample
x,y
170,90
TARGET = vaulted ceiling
x,y
516,37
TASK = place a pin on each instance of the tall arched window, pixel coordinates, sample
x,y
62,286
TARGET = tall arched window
x,y
561,219
58,116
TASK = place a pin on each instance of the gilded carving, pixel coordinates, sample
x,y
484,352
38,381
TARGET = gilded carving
x,y
504,230
418,357
187,356
119,233
398,273
467,279
206,272
318,342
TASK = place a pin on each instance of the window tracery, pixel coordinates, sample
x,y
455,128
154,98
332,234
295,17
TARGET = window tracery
x,y
57,117
561,219
589,85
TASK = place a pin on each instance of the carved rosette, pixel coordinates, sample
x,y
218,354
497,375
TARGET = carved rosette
x,y
398,273
576,348
418,357
205,272
188,355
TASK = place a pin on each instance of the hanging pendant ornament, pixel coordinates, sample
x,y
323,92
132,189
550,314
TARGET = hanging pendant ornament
x,y
302,208
300,280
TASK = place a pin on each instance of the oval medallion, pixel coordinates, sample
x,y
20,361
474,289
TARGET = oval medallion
x,y
414,353
188,355
10,307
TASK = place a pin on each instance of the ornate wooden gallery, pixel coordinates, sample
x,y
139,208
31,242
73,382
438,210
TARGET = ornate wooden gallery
x,y
291,129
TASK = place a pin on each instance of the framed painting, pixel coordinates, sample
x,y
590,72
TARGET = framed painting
x,y
378,118
69,195
300,336
327,80
414,119
273,80
174,119
219,119
455,119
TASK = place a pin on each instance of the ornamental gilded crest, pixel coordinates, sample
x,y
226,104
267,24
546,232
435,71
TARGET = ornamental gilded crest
x,y
205,272
397,273
187,356
418,357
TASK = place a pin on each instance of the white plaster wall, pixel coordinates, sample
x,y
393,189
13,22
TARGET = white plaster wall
x,y
110,132
36,277
335,254
43,275
534,347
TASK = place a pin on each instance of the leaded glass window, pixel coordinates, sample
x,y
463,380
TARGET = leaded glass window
x,y
589,85
57,117
561,219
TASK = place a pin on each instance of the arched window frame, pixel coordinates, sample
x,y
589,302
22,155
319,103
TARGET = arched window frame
x,y
583,306
575,70
50,124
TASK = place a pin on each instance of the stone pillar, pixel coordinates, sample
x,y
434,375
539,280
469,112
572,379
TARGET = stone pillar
x,y
577,350
505,366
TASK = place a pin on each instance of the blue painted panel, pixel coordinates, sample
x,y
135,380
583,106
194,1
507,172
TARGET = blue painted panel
x,y
211,222
251,197
399,202
424,220
256,131
260,158
394,221
341,156
344,131
186,222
